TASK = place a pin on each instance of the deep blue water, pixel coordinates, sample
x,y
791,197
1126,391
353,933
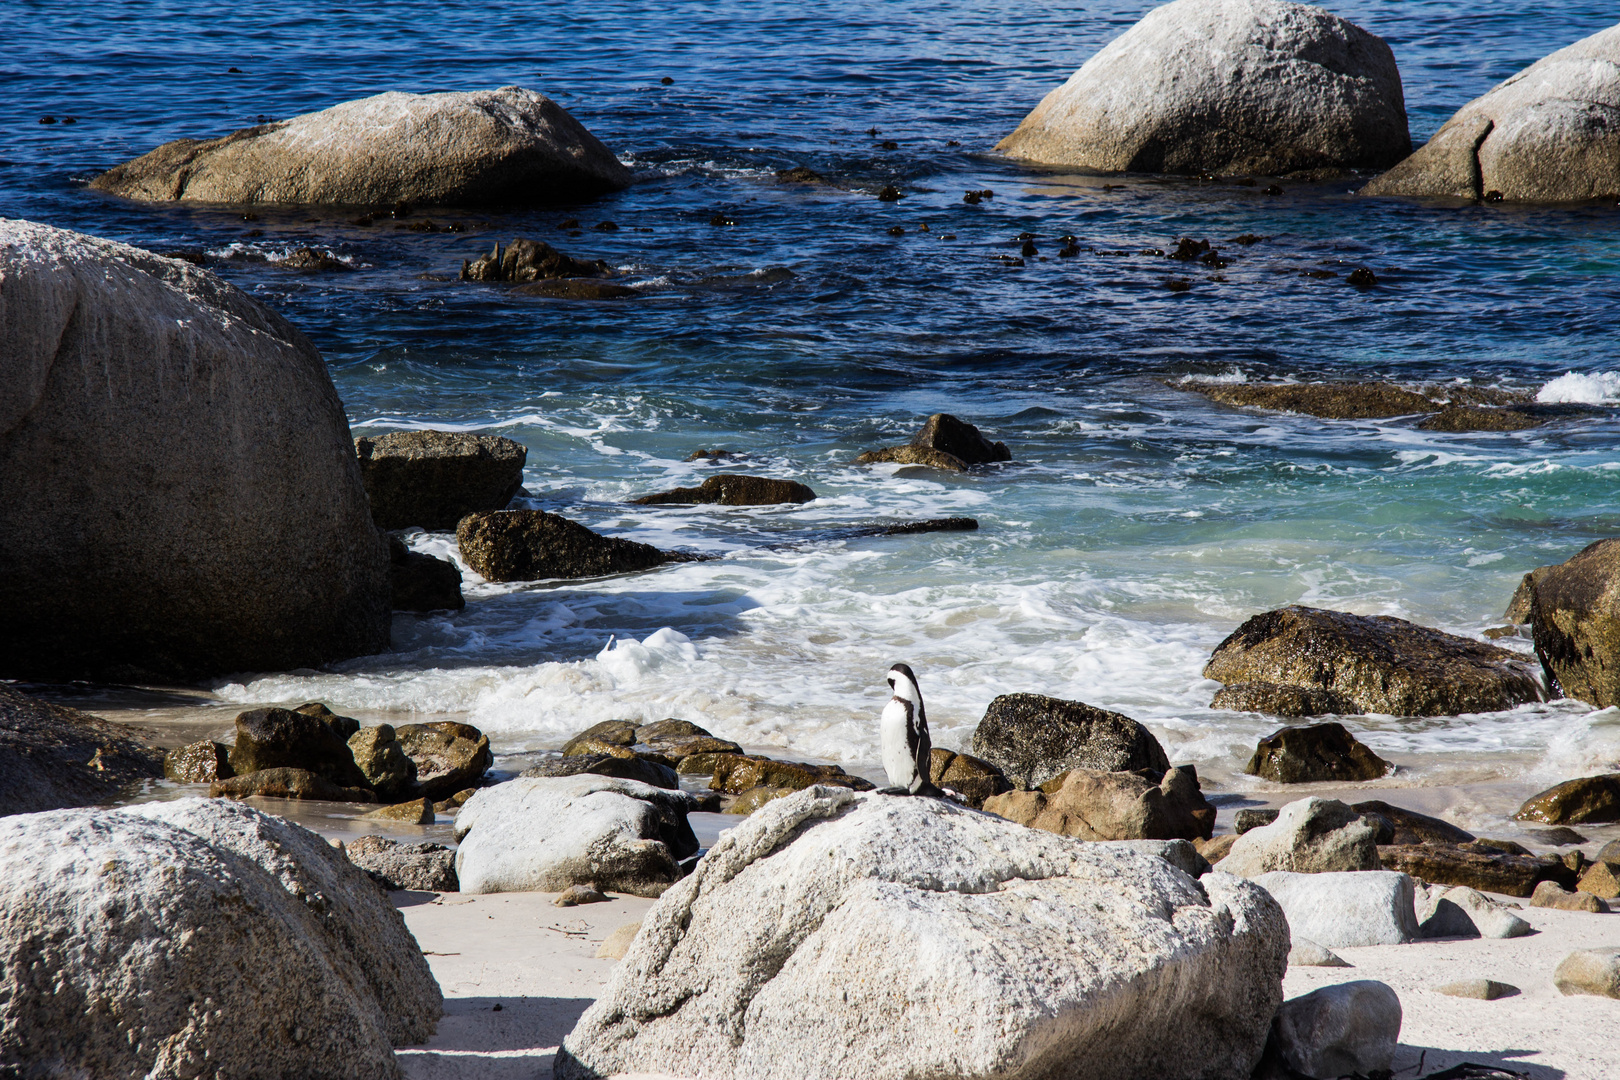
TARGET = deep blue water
x,y
1141,523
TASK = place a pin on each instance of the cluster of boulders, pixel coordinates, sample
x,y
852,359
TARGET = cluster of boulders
x,y
415,770
1275,88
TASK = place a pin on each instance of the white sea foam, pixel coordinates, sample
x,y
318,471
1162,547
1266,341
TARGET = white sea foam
x,y
1599,388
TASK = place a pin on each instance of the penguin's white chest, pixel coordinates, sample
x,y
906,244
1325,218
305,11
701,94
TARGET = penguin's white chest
x,y
899,756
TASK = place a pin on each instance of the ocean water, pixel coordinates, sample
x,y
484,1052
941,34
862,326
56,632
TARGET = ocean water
x,y
1138,523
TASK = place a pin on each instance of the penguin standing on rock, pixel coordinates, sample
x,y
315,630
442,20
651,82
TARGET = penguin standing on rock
x,y
904,729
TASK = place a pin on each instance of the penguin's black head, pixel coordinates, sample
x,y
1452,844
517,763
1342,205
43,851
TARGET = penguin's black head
x,y
903,670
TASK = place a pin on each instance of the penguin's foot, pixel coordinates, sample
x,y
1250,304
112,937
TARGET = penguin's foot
x,y
892,791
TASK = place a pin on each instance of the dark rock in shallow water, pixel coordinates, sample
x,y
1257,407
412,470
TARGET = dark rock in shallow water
x,y
423,583
532,545
1575,616
1397,825
529,260
1594,799
285,783
799,174
1275,700
1033,738
576,289
912,455
943,442
198,763
975,779
729,489
1314,752
388,770
1382,664
309,260
1515,875
281,738
393,865
53,757
345,726
450,757
433,479
620,733
950,524
1349,400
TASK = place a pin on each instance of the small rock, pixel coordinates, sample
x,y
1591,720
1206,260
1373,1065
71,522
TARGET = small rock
x,y
945,434
975,779
1590,971
912,455
1033,738
285,783
199,763
308,260
1247,819
579,894
1458,911
1549,894
532,545
799,174
389,772
1307,953
1480,989
950,524
1560,837
577,289
414,812
1601,881
1095,805
1309,836
395,865
1397,825
450,757
1347,1029
732,490
276,739
454,802
1362,278
1594,799
890,193
432,479
616,944
1297,755
422,583
1215,848
621,733
1610,852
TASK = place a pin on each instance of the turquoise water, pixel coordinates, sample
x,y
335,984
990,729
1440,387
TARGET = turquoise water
x,y
1138,523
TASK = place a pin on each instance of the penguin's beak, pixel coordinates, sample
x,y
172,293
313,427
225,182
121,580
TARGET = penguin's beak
x,y
891,684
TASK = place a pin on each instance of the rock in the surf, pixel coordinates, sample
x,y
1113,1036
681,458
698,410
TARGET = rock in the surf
x,y
943,442
1310,836
780,956
1383,664
1095,805
1549,894
421,583
1346,910
382,760
1398,825
1594,799
549,833
1350,400
1445,911
449,756
1547,134
1033,738
577,289
1347,1029
468,148
205,910
1314,752
1274,700
433,479
1590,971
1229,86
973,778
287,783
200,762
529,260
730,489
1575,618
52,756
396,865
1518,609
281,738
1476,868
532,545
208,517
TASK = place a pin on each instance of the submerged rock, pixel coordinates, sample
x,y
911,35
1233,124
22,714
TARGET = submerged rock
x,y
1594,799
913,455
780,954
1231,86
1575,619
1095,805
52,756
433,479
1459,418
206,518
547,834
532,545
1309,836
1349,400
471,148
1033,738
1383,664
395,865
728,489
1299,755
422,583
449,757
210,910
1547,134
577,289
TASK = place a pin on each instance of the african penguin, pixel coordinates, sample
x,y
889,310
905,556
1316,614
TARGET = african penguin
x,y
904,729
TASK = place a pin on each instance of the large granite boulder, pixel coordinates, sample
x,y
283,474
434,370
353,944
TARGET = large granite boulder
x,y
1551,133
1313,752
449,756
1231,86
837,934
1311,836
1094,805
1347,909
202,912
1383,664
1594,799
469,148
1574,613
551,833
52,756
1274,700
282,738
944,441
532,545
433,479
731,489
1033,738
205,517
